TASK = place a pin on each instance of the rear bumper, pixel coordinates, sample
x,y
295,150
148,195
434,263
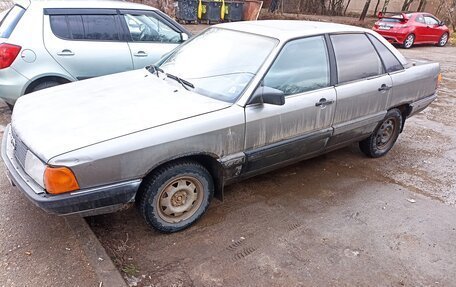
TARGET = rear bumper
x,y
12,85
392,37
420,105
84,202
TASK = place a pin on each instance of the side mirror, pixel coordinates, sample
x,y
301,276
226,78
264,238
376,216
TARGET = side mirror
x,y
441,23
268,95
184,37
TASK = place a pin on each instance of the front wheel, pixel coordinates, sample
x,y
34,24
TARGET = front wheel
x,y
443,40
384,136
409,41
176,196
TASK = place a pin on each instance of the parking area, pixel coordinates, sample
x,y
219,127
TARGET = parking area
x,y
340,219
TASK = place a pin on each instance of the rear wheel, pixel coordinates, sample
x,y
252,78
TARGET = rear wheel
x,y
409,41
384,136
176,196
45,85
443,40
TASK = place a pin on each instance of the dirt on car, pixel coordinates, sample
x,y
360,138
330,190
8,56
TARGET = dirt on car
x,y
338,219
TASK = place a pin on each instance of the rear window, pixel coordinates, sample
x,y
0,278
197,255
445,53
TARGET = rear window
x,y
390,61
85,27
10,21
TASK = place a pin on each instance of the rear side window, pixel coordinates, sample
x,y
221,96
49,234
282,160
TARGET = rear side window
x,y
10,21
390,61
356,57
85,27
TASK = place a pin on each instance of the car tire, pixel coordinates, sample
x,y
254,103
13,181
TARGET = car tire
x,y
45,85
189,188
384,136
409,41
443,40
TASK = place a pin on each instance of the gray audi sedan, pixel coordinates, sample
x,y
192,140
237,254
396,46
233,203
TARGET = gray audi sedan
x,y
238,100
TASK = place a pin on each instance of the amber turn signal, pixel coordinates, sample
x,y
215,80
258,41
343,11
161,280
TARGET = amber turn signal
x,y
59,180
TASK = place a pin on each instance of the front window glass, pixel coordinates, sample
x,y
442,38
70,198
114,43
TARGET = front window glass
x,y
220,62
301,66
147,28
431,20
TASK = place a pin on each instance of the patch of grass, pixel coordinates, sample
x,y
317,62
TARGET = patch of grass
x,y
453,38
130,269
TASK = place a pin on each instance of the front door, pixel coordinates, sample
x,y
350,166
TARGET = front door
x,y
433,32
87,45
278,134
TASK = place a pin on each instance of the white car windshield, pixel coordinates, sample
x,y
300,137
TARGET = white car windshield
x,y
220,63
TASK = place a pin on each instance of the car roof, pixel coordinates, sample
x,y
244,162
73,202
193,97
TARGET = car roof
x,y
84,4
288,29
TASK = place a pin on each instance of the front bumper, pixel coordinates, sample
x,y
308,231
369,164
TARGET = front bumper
x,y
85,202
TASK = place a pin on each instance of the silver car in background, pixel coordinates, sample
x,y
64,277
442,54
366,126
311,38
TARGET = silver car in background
x,y
238,100
47,43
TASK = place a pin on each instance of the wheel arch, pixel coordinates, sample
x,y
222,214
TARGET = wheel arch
x,y
207,160
37,81
405,110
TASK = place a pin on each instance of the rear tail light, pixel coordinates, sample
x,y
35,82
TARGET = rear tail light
x,y
8,54
439,80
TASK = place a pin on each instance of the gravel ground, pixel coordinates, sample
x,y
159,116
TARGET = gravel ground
x,y
340,219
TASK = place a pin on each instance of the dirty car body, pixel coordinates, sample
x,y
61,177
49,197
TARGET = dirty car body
x,y
278,92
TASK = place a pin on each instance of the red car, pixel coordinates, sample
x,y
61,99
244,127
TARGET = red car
x,y
408,29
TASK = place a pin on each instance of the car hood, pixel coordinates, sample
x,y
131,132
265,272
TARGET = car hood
x,y
68,117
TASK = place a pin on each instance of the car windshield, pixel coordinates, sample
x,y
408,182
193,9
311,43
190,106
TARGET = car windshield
x,y
220,63
10,20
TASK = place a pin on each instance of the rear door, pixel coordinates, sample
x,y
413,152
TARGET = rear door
x,y
150,36
302,126
87,42
362,91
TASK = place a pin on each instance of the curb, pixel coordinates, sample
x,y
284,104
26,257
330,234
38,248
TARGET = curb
x,y
102,264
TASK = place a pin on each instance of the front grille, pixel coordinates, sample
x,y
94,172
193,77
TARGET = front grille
x,y
20,150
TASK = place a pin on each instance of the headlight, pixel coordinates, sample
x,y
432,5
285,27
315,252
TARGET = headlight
x,y
34,167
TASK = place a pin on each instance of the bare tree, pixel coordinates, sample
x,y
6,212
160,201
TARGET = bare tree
x,y
385,5
422,5
346,7
406,5
376,8
365,9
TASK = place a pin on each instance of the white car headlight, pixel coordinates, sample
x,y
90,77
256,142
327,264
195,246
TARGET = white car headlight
x,y
34,167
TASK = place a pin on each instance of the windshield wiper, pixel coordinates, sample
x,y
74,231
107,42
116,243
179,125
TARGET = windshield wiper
x,y
155,70
181,81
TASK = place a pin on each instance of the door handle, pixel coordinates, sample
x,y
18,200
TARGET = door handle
x,y
384,87
65,52
140,54
323,102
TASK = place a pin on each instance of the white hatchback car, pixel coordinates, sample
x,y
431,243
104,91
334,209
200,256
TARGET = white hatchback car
x,y
47,43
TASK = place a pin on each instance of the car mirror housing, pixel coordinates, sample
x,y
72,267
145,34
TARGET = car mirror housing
x,y
268,95
184,37
441,23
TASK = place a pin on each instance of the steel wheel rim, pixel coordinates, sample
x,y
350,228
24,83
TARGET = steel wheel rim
x,y
409,41
444,39
385,133
180,199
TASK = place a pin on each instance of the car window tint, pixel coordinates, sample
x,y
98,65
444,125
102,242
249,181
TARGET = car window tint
x,y
148,28
356,57
59,26
430,20
100,27
389,60
301,66
76,27
419,19
9,22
